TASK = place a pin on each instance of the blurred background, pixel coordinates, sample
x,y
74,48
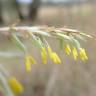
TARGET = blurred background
x,y
71,78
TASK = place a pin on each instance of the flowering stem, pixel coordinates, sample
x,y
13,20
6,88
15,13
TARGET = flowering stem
x,y
42,30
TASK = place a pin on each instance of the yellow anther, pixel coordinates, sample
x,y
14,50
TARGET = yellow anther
x,y
15,85
75,53
83,55
27,64
28,61
55,58
49,50
44,55
68,49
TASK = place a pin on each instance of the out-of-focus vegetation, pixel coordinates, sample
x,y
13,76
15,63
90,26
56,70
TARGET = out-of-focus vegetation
x,y
71,78
11,10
